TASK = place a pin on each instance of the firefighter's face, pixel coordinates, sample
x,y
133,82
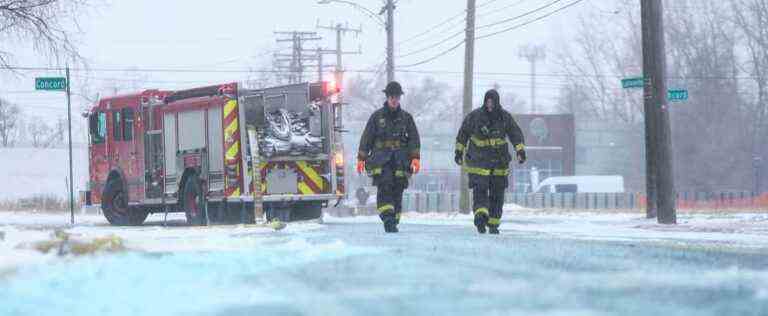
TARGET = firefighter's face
x,y
393,101
489,104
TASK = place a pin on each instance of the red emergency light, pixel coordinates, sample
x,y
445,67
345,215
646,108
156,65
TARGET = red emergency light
x,y
331,87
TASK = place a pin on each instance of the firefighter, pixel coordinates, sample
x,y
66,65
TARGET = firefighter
x,y
389,153
482,147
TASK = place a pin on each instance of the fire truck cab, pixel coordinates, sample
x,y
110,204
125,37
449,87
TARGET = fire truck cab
x,y
198,151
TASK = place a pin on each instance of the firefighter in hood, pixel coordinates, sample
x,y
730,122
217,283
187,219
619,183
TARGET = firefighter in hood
x,y
482,146
389,152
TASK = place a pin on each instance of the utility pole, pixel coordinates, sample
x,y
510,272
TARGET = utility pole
x,y
339,52
296,59
658,130
756,165
469,64
533,53
69,130
389,8
319,64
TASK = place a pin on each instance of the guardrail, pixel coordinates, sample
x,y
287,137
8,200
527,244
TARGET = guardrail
x,y
424,202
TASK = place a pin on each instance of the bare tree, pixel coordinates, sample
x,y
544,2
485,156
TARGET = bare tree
x,y
9,118
596,60
511,102
40,134
710,148
751,18
428,100
44,24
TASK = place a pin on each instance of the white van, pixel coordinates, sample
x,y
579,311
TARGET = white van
x,y
582,184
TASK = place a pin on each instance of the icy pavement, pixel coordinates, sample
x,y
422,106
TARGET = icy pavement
x,y
542,264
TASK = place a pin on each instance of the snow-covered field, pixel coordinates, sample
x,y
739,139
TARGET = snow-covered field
x,y
543,263
26,172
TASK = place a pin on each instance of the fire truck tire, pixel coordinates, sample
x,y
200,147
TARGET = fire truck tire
x,y
193,201
116,208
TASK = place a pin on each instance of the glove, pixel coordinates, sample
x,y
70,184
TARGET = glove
x,y
360,166
521,157
459,157
415,166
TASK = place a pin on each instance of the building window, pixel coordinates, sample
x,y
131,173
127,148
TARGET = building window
x,y
98,127
117,126
127,124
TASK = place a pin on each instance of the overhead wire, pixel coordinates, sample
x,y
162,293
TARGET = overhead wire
x,y
444,22
517,26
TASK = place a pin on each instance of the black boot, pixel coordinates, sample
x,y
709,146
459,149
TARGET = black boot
x,y
493,230
390,225
481,220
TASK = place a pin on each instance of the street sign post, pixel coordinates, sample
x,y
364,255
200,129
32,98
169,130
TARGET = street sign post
x,y
51,83
62,84
677,95
637,82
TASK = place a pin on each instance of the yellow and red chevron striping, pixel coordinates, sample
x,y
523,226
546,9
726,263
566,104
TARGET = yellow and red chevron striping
x,y
311,182
232,157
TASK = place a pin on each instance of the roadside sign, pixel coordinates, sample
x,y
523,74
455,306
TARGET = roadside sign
x,y
677,95
637,82
51,83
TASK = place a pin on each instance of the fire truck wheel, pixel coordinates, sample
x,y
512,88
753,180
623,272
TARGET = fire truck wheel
x,y
115,206
193,201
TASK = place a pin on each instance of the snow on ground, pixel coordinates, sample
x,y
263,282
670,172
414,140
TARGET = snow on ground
x,y
40,171
749,230
738,230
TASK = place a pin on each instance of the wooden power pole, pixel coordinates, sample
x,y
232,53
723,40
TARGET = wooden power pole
x,y
469,65
660,177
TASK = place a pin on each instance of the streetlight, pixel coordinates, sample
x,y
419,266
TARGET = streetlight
x,y
388,24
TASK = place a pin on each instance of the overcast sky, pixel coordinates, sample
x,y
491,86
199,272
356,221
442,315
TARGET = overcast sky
x,y
229,34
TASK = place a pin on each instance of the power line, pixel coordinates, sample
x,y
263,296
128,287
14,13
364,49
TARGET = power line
x,y
370,70
458,33
518,16
458,22
514,27
443,53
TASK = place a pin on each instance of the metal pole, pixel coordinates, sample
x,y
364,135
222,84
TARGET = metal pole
x,y
654,64
390,40
71,177
319,64
533,86
339,68
469,60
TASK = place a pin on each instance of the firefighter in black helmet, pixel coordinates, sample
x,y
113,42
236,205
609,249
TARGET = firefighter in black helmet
x,y
389,152
482,147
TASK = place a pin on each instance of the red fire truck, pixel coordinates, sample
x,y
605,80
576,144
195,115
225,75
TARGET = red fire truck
x,y
196,151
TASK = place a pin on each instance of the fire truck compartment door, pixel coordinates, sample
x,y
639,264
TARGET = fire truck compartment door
x,y
215,141
282,181
192,125
169,137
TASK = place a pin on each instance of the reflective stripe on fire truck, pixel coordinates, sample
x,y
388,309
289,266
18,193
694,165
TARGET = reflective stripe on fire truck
x,y
232,148
311,181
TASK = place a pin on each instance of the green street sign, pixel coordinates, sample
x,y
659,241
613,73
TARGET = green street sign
x,y
637,82
677,95
51,83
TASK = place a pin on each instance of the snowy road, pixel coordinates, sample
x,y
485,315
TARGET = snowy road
x,y
540,265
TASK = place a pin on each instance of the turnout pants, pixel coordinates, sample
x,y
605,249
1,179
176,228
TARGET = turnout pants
x,y
389,199
488,196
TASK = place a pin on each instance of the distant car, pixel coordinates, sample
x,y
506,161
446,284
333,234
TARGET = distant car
x,y
582,184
